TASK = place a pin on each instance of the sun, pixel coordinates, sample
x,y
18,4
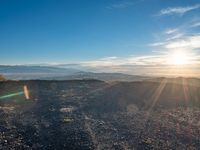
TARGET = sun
x,y
179,58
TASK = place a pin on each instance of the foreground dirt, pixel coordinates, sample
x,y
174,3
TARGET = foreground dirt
x,y
61,115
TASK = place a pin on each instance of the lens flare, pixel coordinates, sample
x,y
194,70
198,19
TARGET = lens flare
x,y
11,95
25,92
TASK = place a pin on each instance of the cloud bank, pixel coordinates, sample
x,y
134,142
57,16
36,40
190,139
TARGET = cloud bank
x,y
178,10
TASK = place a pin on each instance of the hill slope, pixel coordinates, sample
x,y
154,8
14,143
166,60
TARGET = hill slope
x,y
92,114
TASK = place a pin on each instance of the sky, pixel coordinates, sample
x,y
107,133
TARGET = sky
x,y
115,34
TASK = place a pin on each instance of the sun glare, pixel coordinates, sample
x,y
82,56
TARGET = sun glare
x,y
179,58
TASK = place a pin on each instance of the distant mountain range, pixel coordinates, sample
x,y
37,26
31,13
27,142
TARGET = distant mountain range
x,y
34,72
101,76
58,73
36,69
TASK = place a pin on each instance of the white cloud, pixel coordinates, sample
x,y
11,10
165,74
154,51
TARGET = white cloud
x,y
109,58
156,64
176,36
197,24
159,62
167,40
171,31
162,50
123,4
157,44
178,10
189,42
130,60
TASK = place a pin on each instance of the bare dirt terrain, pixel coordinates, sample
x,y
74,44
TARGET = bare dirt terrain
x,y
92,114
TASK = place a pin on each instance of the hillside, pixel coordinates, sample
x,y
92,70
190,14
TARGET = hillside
x,y
92,114
163,94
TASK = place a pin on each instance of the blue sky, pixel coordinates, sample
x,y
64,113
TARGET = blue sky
x,y
96,31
